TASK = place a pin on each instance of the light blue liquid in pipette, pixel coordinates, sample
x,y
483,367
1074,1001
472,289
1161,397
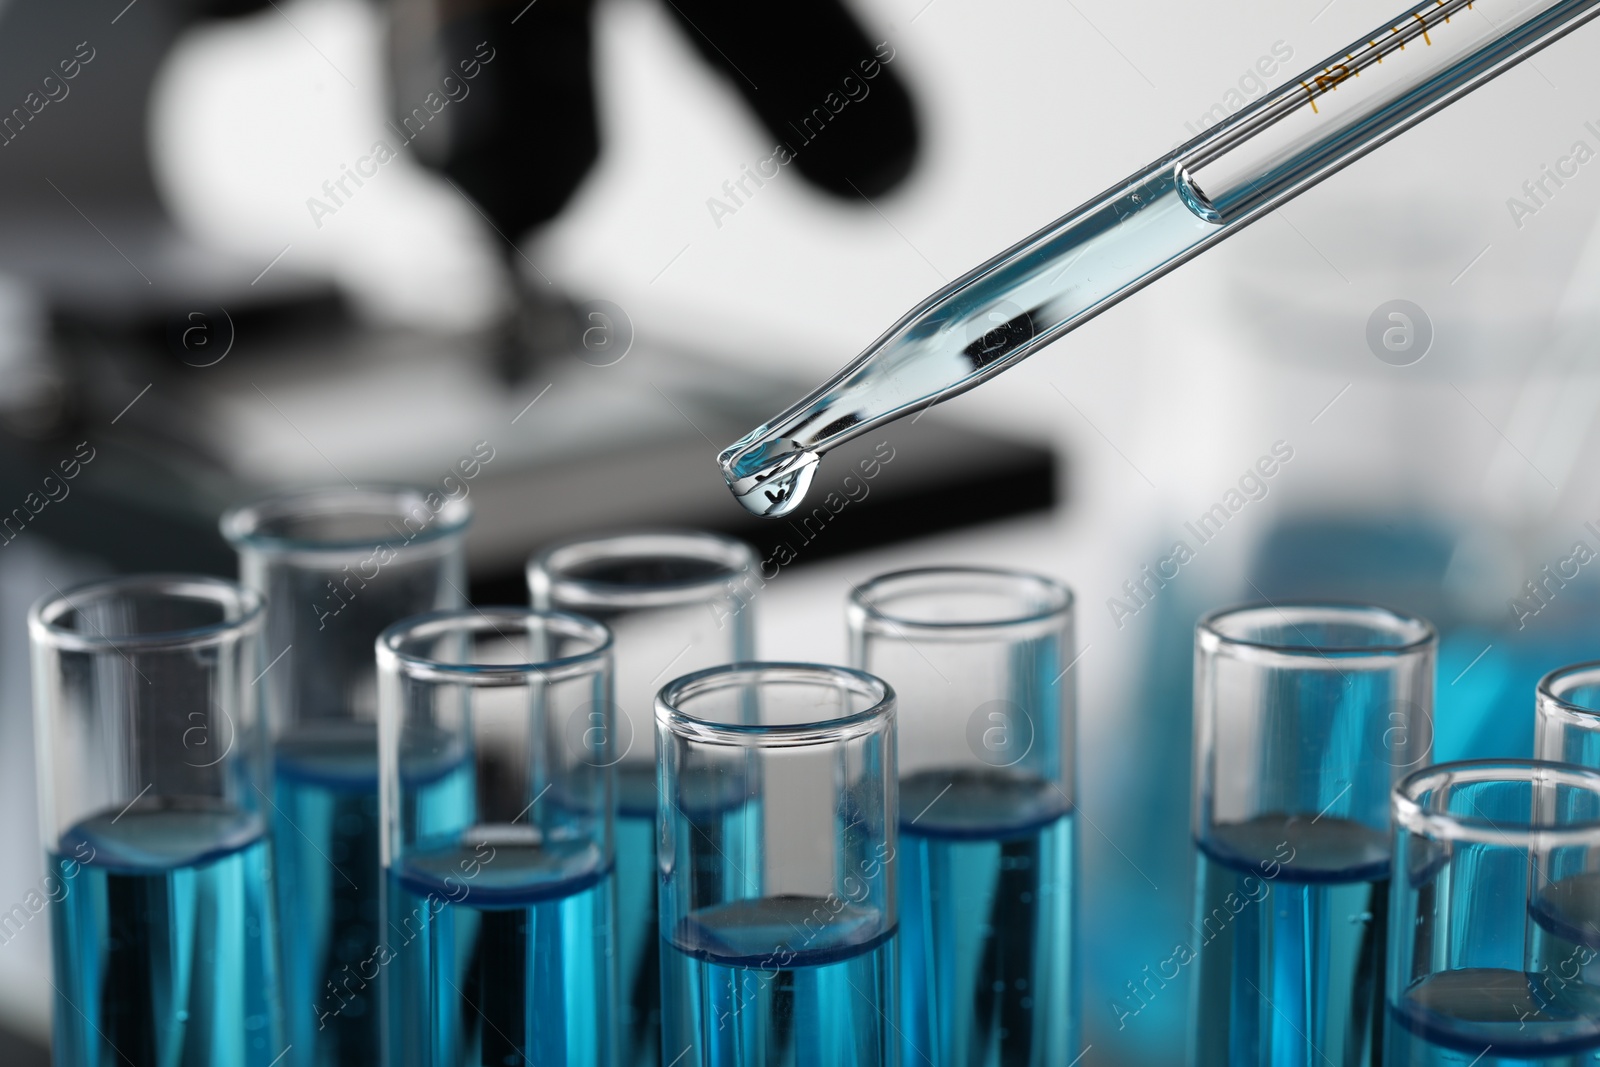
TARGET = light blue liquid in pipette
x,y
163,942
787,981
1290,939
1142,228
985,921
502,956
325,840
1000,314
638,924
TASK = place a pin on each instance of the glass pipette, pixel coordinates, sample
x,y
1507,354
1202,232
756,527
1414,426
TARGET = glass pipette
x,y
1002,311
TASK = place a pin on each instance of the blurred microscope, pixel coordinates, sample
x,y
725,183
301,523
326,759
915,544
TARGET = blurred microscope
x,y
110,313
147,381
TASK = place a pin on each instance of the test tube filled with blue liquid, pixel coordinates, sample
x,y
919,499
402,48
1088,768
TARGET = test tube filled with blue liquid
x,y
978,659
1494,955
496,806
337,566
1567,710
675,602
1305,716
150,754
777,863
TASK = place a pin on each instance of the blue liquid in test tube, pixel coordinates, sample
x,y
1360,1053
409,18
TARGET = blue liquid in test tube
x,y
336,565
1495,958
810,1002
978,660
1290,936
150,744
778,924
164,939
1305,715
986,886
504,961
675,602
497,846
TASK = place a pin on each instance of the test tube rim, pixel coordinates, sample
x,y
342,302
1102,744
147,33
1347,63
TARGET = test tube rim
x,y
591,661
878,717
240,525
1410,816
545,569
1213,640
1552,705
866,614
251,607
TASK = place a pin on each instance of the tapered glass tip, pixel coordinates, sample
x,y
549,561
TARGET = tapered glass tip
x,y
775,489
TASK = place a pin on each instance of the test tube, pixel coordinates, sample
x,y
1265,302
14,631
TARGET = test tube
x,y
1567,706
978,658
150,756
1305,716
1496,917
336,566
675,602
497,848
777,860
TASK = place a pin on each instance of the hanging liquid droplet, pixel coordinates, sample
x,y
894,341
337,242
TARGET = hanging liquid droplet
x,y
778,488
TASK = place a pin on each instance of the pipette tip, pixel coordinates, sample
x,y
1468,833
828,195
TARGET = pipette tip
x,y
774,489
